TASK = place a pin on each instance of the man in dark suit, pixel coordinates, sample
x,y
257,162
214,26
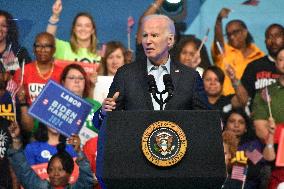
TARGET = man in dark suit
x,y
129,90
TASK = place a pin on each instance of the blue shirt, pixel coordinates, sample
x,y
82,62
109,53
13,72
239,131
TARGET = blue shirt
x,y
158,72
41,152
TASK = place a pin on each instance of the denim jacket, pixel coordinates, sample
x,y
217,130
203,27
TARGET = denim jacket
x,y
30,180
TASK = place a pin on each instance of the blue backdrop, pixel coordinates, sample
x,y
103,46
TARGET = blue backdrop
x,y
111,17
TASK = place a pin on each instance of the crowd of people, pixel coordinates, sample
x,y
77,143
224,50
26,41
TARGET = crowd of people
x,y
243,83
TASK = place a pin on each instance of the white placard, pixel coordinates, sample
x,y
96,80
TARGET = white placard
x,y
102,87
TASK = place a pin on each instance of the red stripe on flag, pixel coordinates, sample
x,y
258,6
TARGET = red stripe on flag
x,y
239,173
12,88
130,23
251,2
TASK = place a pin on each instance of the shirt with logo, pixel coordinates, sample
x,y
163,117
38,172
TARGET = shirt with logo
x,y
259,74
41,152
33,83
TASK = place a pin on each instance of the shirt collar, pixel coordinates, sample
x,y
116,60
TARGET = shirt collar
x,y
150,66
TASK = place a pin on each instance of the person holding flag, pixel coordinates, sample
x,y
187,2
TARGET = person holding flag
x,y
268,108
7,115
32,78
12,54
247,162
130,24
238,52
189,50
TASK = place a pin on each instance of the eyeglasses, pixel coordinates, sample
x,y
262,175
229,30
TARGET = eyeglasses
x,y
45,46
234,32
75,78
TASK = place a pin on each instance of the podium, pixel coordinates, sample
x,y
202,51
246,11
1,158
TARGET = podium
x,y
121,163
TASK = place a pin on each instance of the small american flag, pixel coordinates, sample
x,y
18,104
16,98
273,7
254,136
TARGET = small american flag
x,y
45,101
255,156
239,172
12,88
251,2
130,23
79,122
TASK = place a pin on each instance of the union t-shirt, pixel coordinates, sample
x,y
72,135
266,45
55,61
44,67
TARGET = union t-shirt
x,y
33,83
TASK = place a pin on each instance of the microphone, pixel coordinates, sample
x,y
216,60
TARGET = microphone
x,y
153,89
169,87
168,82
152,84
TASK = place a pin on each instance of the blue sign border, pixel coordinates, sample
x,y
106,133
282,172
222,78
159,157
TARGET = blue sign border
x,y
52,92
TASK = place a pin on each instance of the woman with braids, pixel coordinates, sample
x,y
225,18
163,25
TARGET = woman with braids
x,y
59,168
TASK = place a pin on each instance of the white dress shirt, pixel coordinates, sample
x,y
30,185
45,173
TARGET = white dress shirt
x,y
158,72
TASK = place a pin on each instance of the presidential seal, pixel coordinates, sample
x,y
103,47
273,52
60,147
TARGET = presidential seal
x,y
164,143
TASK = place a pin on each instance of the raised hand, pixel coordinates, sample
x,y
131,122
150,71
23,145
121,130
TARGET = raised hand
x,y
93,78
21,94
109,104
75,141
14,130
230,71
196,60
159,2
224,13
271,125
57,8
15,133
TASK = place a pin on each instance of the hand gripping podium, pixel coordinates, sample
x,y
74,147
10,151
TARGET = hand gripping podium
x,y
121,163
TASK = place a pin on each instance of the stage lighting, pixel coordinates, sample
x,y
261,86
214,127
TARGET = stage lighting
x,y
176,9
173,6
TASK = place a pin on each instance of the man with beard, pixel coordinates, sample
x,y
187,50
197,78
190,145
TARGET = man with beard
x,y
269,122
259,74
262,72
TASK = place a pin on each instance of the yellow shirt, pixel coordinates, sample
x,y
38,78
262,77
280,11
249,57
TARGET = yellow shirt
x,y
235,58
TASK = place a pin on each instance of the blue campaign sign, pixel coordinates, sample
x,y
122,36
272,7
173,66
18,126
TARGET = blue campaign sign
x,y
60,109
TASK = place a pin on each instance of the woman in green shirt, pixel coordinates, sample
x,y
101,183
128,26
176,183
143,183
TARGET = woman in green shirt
x,y
75,79
83,41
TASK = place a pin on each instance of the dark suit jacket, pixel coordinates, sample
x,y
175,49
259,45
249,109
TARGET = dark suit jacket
x,y
130,80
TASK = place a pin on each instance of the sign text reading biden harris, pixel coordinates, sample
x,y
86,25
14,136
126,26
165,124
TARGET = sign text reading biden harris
x,y
60,109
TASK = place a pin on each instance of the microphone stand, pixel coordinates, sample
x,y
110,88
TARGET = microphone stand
x,y
160,100
155,92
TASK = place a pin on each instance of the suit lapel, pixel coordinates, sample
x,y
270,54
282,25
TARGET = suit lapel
x,y
175,75
144,84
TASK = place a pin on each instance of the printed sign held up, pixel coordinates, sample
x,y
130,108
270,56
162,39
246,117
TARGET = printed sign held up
x,y
60,109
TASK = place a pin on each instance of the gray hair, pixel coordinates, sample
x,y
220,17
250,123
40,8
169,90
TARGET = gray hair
x,y
170,23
